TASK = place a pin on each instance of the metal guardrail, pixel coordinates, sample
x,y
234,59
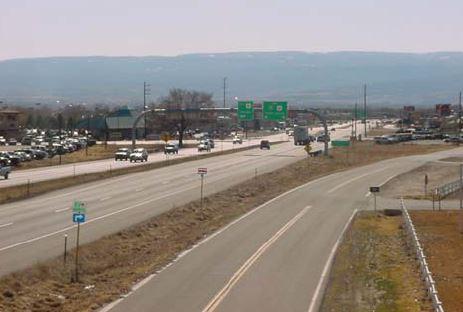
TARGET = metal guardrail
x,y
448,188
424,268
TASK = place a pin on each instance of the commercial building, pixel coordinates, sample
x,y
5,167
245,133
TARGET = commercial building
x,y
9,123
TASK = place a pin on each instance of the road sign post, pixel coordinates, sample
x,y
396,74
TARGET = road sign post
x,y
374,190
78,216
275,111
202,172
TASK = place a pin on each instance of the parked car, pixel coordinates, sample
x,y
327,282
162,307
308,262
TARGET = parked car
x,y
139,154
122,154
5,169
264,144
171,148
237,140
2,141
204,146
12,142
27,140
15,160
211,143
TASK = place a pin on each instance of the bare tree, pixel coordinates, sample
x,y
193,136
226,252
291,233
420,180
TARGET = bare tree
x,y
184,108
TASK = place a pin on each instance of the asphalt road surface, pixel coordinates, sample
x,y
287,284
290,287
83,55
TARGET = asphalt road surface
x,y
32,230
275,258
18,177
54,172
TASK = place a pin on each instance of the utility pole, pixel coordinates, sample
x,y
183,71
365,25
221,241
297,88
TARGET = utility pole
x,y
224,89
365,108
459,115
146,91
355,120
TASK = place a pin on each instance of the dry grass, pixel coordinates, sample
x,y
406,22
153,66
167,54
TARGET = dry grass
x,y
380,131
17,192
114,263
373,270
441,235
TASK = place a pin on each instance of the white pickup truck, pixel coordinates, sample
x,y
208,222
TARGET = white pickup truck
x,y
4,171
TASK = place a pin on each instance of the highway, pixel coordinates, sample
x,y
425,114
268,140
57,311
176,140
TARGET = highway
x,y
32,230
275,258
68,170
19,177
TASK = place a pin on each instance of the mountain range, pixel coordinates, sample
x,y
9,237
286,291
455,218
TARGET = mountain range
x,y
303,79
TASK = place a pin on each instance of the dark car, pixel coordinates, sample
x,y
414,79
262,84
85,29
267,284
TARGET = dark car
x,y
122,154
15,160
171,148
264,144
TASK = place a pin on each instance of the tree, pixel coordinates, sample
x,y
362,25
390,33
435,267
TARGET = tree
x,y
184,108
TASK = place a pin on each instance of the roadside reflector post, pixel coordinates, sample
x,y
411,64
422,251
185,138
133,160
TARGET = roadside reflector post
x,y
374,190
65,248
202,172
77,253
426,184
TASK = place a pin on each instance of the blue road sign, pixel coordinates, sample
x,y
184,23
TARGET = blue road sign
x,y
78,218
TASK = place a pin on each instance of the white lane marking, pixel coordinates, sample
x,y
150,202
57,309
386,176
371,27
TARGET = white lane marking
x,y
352,180
314,300
93,220
111,305
62,209
388,179
105,198
218,298
367,194
6,224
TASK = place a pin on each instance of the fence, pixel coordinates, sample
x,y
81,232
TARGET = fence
x,y
448,188
424,268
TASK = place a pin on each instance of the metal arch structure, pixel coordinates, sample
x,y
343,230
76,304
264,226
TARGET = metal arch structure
x,y
164,110
323,120
135,123
159,110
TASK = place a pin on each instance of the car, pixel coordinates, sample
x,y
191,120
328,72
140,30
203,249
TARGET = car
x,y
5,169
15,160
2,141
204,146
171,148
264,144
23,156
27,140
12,142
139,154
122,154
323,138
237,140
211,143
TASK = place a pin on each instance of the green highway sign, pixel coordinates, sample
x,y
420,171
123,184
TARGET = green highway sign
x,y
245,110
276,111
78,207
360,114
340,143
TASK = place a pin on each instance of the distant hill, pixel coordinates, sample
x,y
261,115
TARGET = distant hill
x,y
313,79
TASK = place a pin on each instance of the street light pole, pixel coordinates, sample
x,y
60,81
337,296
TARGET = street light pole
x,y
365,108
224,90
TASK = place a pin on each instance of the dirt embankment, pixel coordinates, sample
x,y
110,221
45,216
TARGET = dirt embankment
x,y
374,271
411,184
111,265
441,235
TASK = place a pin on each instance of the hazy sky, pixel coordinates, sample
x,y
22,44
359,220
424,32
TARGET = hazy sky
x,y
31,28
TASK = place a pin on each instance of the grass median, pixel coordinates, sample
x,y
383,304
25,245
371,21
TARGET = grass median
x,y
374,270
18,192
111,265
